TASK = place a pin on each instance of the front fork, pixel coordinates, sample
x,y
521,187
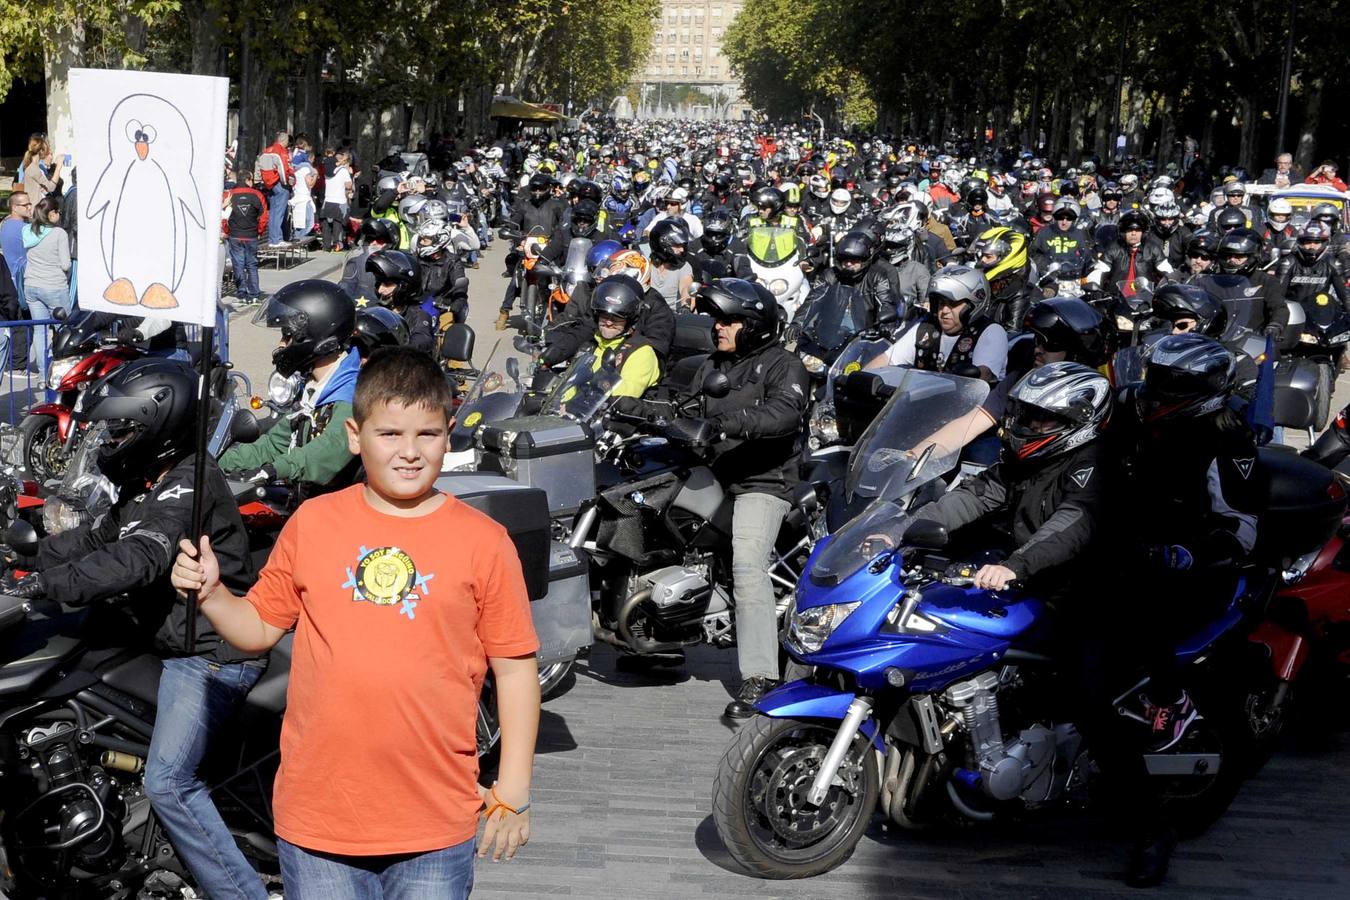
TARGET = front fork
x,y
858,711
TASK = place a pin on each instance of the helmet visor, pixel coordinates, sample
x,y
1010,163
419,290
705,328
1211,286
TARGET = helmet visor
x,y
274,314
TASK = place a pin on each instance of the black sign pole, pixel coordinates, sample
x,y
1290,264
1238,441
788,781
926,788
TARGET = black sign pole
x,y
199,468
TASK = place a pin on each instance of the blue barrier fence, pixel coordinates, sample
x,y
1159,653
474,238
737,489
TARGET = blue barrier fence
x,y
25,361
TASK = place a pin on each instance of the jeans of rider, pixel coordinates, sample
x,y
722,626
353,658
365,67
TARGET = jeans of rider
x,y
437,875
198,699
244,261
755,520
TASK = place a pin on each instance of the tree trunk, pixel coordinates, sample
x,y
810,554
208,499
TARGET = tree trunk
x,y
1056,125
1074,145
66,53
204,26
250,100
1312,120
311,96
1138,100
1101,122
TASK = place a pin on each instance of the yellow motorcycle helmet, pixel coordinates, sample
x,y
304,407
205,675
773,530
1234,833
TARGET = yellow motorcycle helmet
x,y
1008,246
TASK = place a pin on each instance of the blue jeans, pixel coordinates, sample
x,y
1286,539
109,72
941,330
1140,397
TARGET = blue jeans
x,y
435,875
244,261
278,201
198,699
41,302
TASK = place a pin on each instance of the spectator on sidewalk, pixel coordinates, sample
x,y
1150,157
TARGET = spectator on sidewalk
x,y
46,277
70,221
245,222
11,237
337,197
9,311
302,204
277,175
41,170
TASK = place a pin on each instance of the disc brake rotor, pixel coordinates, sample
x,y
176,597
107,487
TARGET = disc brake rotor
x,y
779,791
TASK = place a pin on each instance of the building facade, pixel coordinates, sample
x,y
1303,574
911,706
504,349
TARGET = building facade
x,y
686,74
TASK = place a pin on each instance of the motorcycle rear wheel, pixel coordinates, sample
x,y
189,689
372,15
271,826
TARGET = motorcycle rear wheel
x,y
759,799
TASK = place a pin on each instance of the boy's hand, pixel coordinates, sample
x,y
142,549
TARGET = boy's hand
x,y
994,578
505,832
193,571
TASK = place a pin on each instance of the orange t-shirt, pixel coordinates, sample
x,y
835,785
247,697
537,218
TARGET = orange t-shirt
x,y
394,619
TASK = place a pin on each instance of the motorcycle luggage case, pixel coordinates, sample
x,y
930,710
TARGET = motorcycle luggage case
x,y
546,452
519,508
1304,506
1296,393
562,617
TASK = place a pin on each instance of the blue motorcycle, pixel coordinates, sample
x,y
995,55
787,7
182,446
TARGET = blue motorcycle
x,y
929,701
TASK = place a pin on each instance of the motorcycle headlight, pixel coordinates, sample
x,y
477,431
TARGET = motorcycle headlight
x,y
284,390
58,369
1340,338
810,628
1307,337
778,287
814,364
1124,323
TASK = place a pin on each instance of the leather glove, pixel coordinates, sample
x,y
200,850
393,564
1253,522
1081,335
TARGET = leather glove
x,y
265,474
731,425
29,587
630,406
552,355
1274,331
1169,557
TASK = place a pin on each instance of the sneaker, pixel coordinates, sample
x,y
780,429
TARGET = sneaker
x,y
277,245
1169,723
752,690
501,321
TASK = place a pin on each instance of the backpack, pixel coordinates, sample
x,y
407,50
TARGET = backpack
x,y
269,168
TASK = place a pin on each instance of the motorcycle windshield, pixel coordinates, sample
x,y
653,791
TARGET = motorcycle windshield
x,y
1137,293
1322,310
584,389
907,444
84,492
495,395
772,245
876,530
835,313
575,270
859,352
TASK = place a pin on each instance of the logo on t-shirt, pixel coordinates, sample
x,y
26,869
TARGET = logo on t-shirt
x,y
386,576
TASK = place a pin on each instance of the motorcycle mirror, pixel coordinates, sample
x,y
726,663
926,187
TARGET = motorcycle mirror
x,y
887,318
523,345
244,427
926,534
22,536
716,385
513,369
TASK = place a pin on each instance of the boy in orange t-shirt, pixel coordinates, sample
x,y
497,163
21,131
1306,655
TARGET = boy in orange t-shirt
x,y
401,597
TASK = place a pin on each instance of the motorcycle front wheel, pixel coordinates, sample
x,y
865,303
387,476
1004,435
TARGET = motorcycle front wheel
x,y
760,806
41,448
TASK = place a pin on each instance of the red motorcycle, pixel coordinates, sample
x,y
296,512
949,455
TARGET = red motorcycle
x,y
86,347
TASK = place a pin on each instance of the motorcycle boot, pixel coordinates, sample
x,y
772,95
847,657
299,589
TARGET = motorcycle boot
x,y
752,691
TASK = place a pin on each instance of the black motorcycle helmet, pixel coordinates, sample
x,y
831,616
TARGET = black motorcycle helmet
x,y
1312,242
852,255
1185,376
766,197
1229,218
1190,301
838,179
1111,191
721,184
1131,218
687,183
619,296
316,319
975,196
539,187
150,407
717,230
1203,243
873,171
378,229
584,216
1070,325
1328,214
1239,251
669,240
401,268
1053,410
378,327
735,299
588,190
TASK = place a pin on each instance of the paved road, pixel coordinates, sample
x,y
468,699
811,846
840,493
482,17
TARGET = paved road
x,y
625,767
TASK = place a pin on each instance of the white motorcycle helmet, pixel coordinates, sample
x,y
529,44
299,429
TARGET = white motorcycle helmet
x,y
840,200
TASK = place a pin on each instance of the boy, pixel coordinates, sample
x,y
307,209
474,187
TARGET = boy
x,y
395,627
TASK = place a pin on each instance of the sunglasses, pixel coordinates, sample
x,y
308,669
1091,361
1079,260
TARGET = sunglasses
x,y
1205,256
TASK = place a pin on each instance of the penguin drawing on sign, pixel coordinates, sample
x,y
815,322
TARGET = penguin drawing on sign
x,y
146,202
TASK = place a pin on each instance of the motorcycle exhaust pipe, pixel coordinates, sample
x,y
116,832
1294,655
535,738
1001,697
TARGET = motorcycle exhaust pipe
x,y
843,739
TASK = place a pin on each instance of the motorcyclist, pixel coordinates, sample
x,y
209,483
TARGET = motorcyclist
x,y
309,446
1042,214
1189,461
376,234
398,279
1169,231
1132,256
856,263
141,423
1252,290
1064,243
443,279
957,335
1234,193
841,215
970,218
378,327
1201,252
541,212
1110,210
1001,254
616,305
760,419
1279,225
655,320
715,258
1132,196
672,276
1310,274
903,248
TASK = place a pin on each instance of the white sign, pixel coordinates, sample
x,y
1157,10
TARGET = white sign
x,y
148,147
